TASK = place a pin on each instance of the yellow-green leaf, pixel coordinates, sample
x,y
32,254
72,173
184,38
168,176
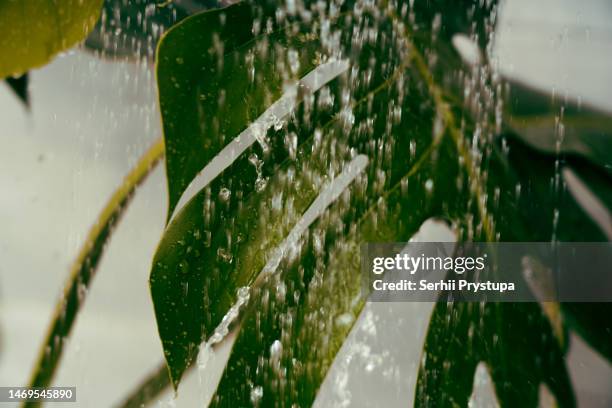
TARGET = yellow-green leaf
x,y
34,31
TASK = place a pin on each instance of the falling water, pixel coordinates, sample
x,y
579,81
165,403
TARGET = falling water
x,y
363,118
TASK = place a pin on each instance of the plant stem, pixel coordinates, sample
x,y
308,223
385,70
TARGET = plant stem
x,y
84,267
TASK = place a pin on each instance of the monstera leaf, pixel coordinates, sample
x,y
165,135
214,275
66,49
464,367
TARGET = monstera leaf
x,y
33,31
281,108
546,133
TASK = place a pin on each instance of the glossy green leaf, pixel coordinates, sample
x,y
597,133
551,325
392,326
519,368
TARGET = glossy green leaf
x,y
301,315
197,273
225,249
288,337
507,337
511,334
211,90
309,332
217,242
412,125
34,31
287,343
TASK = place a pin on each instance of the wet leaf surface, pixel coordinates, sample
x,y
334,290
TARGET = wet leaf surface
x,y
217,242
208,97
435,148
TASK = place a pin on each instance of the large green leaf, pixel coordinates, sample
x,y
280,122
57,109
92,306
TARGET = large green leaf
x,y
211,90
34,31
329,302
242,216
406,116
286,344
192,83
545,210
221,236
196,274
186,81
506,336
302,313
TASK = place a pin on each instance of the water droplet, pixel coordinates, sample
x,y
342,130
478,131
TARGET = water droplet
x,y
260,183
224,194
344,319
256,395
224,255
276,350
429,185
294,61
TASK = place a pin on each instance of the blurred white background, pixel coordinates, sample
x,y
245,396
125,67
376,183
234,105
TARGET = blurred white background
x,y
90,121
